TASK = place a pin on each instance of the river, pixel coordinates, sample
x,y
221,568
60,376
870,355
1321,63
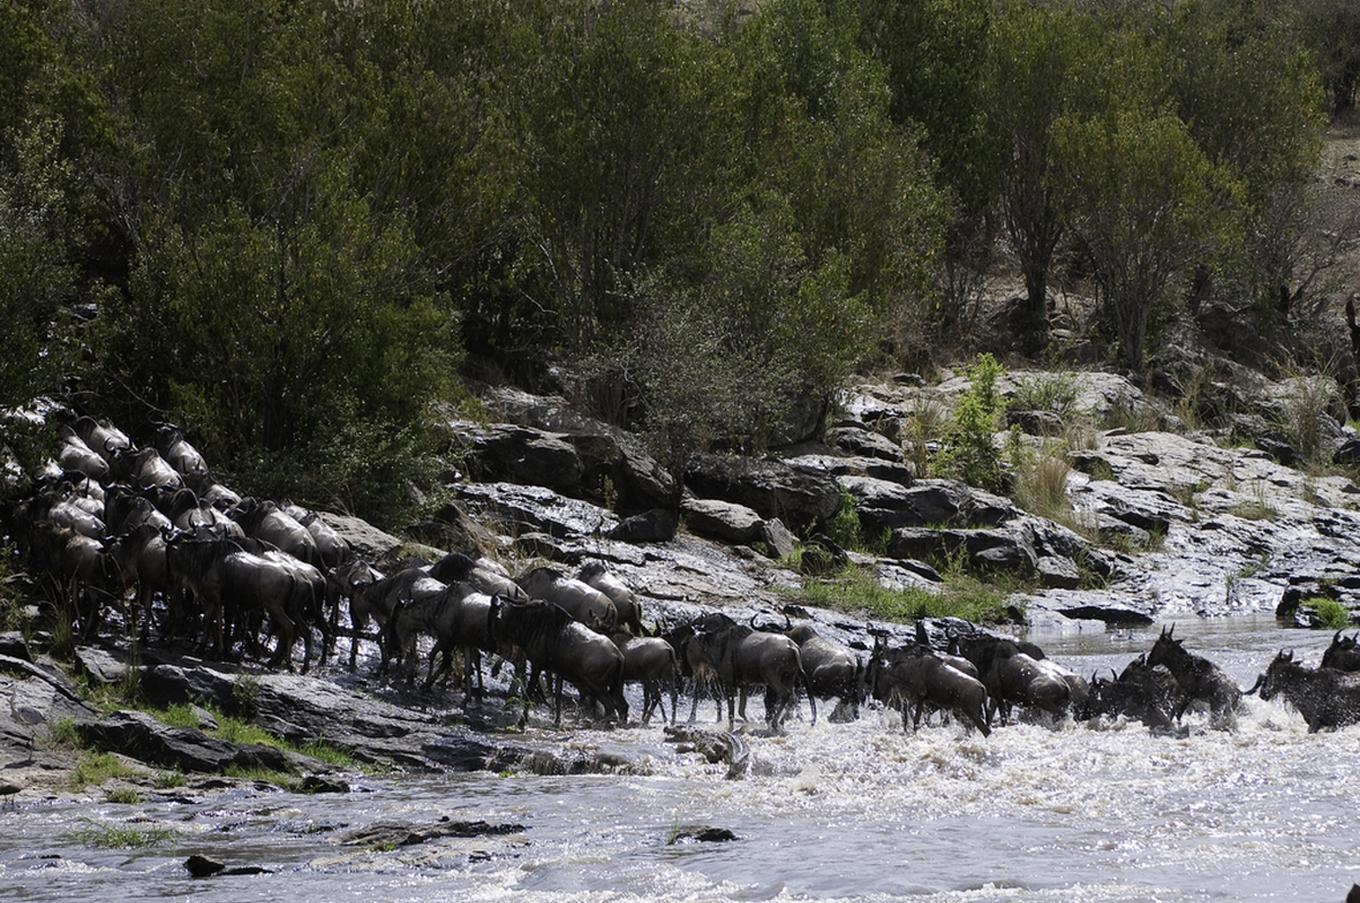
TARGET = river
x,y
831,811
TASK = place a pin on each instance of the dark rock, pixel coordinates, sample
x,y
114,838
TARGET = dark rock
x,y
206,721
953,504
99,666
726,521
519,454
701,835
778,538
451,527
202,866
653,525
915,380
986,549
1058,573
1278,449
238,870
769,487
1348,454
824,464
139,736
821,557
12,644
860,442
166,685
1035,423
364,538
384,834
317,783
536,508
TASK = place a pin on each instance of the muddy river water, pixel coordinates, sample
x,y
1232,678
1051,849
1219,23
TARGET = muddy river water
x,y
831,811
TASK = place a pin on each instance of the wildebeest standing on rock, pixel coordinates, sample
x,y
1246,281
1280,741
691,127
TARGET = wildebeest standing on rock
x,y
1326,697
139,559
594,573
456,567
556,642
1199,679
582,601
744,657
379,599
916,674
1343,654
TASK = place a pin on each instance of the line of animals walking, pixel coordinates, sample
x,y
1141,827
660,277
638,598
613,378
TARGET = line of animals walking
x,y
108,524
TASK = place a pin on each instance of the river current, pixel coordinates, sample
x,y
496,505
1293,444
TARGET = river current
x,y
831,811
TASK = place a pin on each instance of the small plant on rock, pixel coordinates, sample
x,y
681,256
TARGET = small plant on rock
x,y
970,452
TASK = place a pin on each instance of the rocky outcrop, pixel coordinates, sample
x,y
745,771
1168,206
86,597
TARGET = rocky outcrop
x,y
855,440
770,487
139,736
515,508
730,522
518,454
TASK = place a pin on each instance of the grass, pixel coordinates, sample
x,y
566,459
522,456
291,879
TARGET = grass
x,y
1255,508
63,733
847,531
1331,614
96,768
1039,486
1101,471
856,591
282,779
1055,393
168,780
126,795
109,837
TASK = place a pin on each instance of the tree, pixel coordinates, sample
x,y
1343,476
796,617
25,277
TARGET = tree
x,y
1146,205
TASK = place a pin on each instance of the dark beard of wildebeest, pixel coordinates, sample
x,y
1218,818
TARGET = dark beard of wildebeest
x,y
379,599
626,604
744,657
917,675
219,572
832,670
583,602
652,662
264,520
1199,679
1140,692
1012,676
456,567
1343,654
554,641
1326,697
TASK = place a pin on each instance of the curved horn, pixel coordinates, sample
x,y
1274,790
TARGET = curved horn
x,y
1337,638
788,622
752,622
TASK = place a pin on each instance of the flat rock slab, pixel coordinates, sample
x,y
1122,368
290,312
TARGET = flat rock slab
x,y
139,736
392,834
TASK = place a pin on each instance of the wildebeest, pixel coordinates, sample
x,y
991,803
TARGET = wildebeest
x,y
125,511
456,567
102,437
1326,697
626,604
1012,676
140,561
1199,679
1140,692
77,566
744,657
190,514
554,641
436,615
75,455
1343,654
652,662
265,520
177,451
580,600
832,670
916,674
144,468
380,599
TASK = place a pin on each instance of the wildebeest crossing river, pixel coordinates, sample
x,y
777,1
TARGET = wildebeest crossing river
x,y
825,812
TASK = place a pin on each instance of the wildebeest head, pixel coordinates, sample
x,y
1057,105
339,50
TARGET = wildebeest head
x,y
1168,650
1283,671
529,625
1343,654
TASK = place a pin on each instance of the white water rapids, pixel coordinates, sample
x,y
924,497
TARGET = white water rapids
x,y
859,810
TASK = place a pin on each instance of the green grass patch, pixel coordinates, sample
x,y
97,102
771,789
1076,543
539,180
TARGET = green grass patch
x,y
1331,614
1253,510
168,780
857,591
63,733
1054,392
281,779
130,796
96,768
112,837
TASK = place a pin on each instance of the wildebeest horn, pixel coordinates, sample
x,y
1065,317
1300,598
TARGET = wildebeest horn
x,y
1260,679
1337,638
752,622
788,622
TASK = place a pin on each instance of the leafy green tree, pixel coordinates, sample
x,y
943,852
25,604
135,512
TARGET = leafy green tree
x,y
1146,205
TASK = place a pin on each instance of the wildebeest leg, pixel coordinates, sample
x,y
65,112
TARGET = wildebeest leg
x,y
978,722
731,698
741,710
916,719
675,695
772,707
439,649
357,622
557,706
694,704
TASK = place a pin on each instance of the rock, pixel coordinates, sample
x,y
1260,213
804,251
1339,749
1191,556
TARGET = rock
x,y
727,521
202,867
537,508
166,685
1057,573
452,527
986,549
392,834
653,525
1348,454
99,666
823,464
857,441
775,535
604,451
518,454
821,557
139,736
317,783
701,835
239,870
769,487
366,540
946,503
1035,423
206,721
13,645
35,699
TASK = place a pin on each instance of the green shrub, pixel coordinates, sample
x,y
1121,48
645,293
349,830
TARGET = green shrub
x,y
1053,392
129,796
1331,614
858,591
970,451
96,768
104,836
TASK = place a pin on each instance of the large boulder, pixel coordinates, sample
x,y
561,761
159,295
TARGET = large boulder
x,y
364,538
944,503
997,550
518,454
535,508
142,737
825,464
726,521
771,488
856,441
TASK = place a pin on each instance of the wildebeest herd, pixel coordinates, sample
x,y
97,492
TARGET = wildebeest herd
x,y
108,525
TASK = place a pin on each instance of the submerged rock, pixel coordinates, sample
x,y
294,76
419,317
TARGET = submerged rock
x,y
202,867
700,834
393,834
